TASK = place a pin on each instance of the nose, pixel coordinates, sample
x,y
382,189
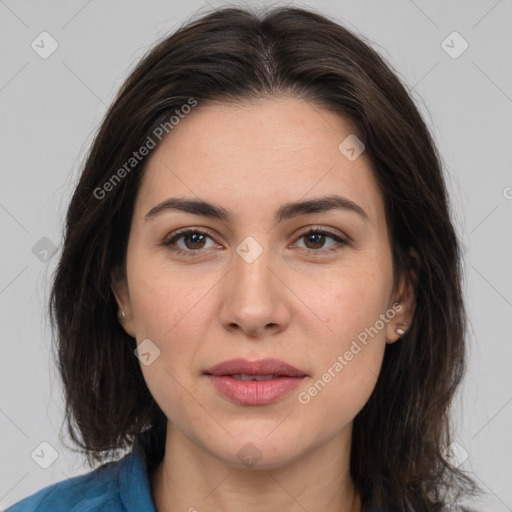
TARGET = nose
x,y
255,299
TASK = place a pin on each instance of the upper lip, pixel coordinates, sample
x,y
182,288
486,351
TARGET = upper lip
x,y
260,367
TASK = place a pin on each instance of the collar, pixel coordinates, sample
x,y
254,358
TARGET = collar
x,y
134,485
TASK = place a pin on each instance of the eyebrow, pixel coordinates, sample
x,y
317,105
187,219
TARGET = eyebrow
x,y
286,211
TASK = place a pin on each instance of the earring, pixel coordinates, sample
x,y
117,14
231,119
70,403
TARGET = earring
x,y
122,315
399,331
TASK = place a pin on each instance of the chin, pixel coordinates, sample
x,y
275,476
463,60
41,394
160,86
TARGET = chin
x,y
251,451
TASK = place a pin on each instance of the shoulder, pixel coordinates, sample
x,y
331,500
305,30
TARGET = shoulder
x,y
96,490
104,488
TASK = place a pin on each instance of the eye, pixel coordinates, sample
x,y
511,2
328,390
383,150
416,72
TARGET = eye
x,y
316,237
194,240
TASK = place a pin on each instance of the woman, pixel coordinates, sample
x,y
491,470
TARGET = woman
x,y
260,287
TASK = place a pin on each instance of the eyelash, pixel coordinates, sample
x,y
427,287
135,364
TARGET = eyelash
x,y
314,231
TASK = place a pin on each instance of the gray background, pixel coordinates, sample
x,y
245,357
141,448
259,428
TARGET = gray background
x,y
51,108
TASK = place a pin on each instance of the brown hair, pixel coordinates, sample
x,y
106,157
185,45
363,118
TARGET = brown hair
x,y
236,55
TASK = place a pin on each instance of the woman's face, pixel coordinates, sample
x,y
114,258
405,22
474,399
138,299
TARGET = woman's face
x,y
254,285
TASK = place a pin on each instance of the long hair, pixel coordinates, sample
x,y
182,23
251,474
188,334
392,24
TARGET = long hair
x,y
236,55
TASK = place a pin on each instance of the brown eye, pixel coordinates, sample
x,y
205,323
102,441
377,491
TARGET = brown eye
x,y
196,240
316,239
193,241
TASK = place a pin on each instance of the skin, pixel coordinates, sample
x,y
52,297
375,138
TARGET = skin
x,y
290,304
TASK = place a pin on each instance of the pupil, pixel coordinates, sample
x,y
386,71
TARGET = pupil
x,y
193,238
318,242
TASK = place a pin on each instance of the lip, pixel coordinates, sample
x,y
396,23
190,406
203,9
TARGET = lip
x,y
259,367
254,392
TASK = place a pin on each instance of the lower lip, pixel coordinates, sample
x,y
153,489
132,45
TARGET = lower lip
x,y
254,392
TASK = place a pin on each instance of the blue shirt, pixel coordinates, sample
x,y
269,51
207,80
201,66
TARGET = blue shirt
x,y
118,486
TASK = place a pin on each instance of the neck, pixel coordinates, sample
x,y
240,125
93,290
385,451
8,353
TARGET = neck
x,y
192,479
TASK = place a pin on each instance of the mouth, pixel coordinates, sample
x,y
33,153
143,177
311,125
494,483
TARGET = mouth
x,y
254,382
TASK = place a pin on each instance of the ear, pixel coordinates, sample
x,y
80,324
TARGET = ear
x,y
406,296
119,287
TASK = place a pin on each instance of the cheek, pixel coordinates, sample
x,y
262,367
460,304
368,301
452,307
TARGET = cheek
x,y
164,301
168,315
342,305
343,385
349,346
170,320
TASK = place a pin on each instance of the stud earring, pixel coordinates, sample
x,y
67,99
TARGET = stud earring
x,y
399,331
122,315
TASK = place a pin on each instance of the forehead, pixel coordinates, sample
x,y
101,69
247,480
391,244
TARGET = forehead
x,y
276,151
